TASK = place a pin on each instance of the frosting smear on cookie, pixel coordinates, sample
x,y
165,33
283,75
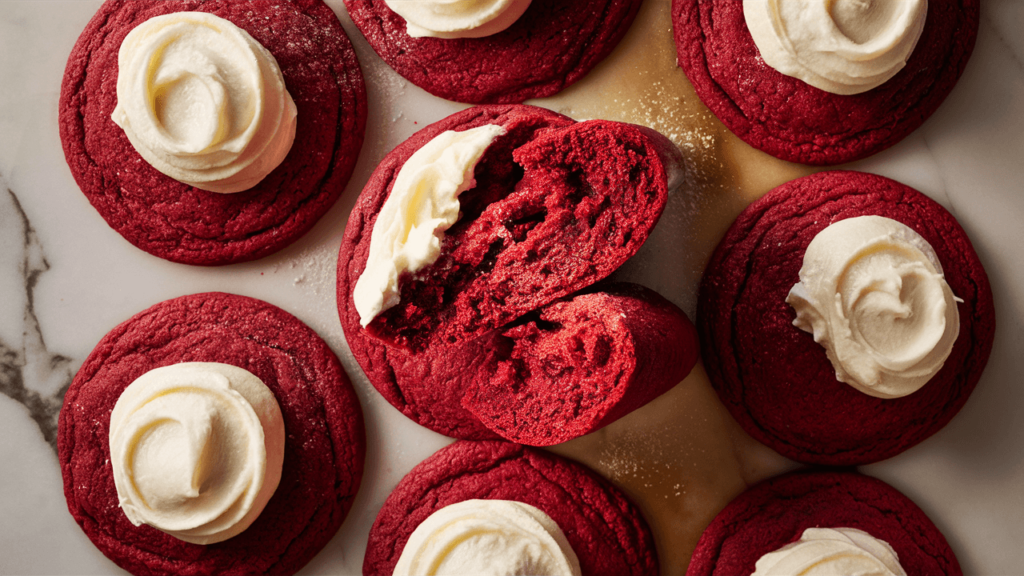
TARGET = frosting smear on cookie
x,y
423,204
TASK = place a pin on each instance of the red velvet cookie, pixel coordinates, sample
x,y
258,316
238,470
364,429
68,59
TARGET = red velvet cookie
x,y
794,121
774,378
184,224
323,458
776,512
606,531
552,45
494,338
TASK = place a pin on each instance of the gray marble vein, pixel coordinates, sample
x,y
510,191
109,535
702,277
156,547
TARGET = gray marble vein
x,y
1004,19
30,374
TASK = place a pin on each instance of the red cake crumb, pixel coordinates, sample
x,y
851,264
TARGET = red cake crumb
x,y
584,363
577,202
557,206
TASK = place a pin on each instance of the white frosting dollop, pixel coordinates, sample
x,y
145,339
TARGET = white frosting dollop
x,y
203,102
457,18
871,291
488,538
423,204
832,551
840,46
196,450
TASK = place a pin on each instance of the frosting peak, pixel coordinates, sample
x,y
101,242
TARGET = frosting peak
x,y
840,46
196,450
203,102
830,551
488,538
457,18
871,291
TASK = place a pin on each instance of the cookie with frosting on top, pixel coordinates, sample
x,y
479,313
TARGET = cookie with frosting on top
x,y
496,51
469,277
505,503
823,82
841,522
844,318
133,452
282,105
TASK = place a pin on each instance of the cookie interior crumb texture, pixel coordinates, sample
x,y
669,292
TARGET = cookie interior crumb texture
x,y
495,338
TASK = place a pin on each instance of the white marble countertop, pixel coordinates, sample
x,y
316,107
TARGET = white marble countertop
x,y
66,279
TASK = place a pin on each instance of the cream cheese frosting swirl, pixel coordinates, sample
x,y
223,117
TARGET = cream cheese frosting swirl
x,y
871,291
488,538
457,18
203,102
196,450
423,204
831,551
840,46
